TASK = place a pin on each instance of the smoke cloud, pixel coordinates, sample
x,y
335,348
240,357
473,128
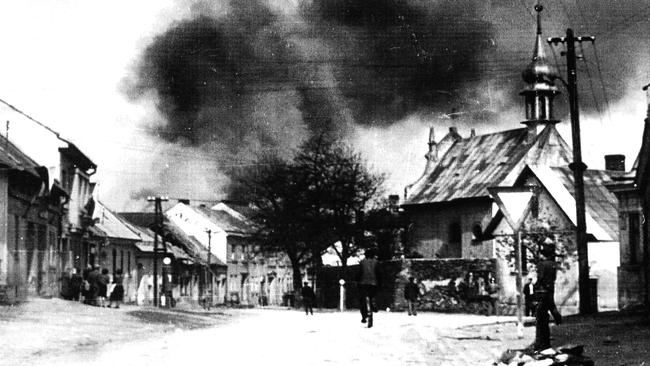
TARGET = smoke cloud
x,y
245,77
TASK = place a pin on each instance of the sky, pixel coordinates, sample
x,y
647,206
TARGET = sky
x,y
164,96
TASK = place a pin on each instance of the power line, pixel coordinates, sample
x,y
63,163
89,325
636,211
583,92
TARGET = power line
x,y
602,84
591,84
58,135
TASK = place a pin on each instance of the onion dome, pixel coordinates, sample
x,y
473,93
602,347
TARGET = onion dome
x,y
540,87
540,74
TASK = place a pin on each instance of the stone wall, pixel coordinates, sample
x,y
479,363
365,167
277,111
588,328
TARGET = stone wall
x,y
441,281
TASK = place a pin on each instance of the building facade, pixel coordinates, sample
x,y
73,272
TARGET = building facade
x,y
253,277
30,216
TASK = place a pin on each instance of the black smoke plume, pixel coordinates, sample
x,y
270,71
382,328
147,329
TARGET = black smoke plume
x,y
252,78
257,79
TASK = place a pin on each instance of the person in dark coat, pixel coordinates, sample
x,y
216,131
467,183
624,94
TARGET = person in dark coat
x,y
91,286
528,297
75,284
368,283
545,292
66,290
117,295
104,280
411,294
308,298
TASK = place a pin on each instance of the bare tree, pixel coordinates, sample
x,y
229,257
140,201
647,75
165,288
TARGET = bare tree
x,y
340,189
307,204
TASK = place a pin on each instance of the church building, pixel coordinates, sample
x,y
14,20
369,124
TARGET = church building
x,y
449,205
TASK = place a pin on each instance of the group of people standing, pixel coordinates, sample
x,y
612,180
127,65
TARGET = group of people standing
x,y
93,287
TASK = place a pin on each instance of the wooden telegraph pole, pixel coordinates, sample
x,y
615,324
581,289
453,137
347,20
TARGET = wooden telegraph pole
x,y
578,168
157,226
208,276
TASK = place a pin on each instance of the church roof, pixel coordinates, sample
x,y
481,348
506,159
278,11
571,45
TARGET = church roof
x,y
473,164
600,202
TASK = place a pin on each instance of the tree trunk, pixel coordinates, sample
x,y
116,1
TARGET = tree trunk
x,y
297,276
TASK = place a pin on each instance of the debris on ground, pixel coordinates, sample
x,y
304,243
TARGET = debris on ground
x,y
568,355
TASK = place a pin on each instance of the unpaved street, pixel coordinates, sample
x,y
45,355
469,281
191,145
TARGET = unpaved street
x,y
288,337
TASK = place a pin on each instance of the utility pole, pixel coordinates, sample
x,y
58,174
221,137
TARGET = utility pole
x,y
208,277
578,168
157,226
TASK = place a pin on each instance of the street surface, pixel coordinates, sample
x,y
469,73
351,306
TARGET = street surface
x,y
262,336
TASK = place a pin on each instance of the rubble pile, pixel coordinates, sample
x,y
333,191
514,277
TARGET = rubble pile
x,y
569,355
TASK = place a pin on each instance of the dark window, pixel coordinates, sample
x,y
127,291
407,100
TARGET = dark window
x,y
477,232
114,260
454,233
455,249
633,235
128,262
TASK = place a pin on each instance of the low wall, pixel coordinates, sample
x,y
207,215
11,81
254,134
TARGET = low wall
x,y
443,284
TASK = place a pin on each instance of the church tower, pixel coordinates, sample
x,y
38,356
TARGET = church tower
x,y
540,87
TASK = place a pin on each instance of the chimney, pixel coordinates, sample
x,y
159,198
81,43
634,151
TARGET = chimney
x,y
184,201
453,130
615,162
472,133
393,200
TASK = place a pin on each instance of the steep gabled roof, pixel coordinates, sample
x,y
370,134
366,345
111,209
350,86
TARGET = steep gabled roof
x,y
112,225
191,244
601,206
231,221
13,158
178,243
600,203
473,164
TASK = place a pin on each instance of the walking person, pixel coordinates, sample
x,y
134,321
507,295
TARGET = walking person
x,y
117,295
308,298
66,286
492,289
411,294
76,283
368,284
545,292
102,287
528,297
92,287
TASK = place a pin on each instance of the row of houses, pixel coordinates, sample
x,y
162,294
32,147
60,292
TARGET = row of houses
x,y
50,224
453,215
43,213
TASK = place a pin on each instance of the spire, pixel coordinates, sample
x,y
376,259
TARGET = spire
x,y
540,71
540,87
432,155
539,45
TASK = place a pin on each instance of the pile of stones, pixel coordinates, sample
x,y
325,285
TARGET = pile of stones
x,y
569,355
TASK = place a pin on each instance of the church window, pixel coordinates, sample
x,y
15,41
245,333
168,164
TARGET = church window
x,y
455,240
